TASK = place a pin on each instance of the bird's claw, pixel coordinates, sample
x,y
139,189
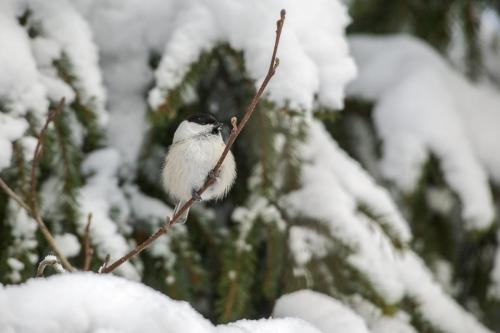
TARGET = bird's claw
x,y
195,195
213,175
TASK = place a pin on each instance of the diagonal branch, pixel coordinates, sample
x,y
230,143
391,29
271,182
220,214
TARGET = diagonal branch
x,y
88,250
235,132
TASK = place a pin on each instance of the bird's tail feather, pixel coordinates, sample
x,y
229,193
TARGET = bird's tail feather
x,y
183,218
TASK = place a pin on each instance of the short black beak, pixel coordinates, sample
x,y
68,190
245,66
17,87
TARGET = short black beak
x,y
217,128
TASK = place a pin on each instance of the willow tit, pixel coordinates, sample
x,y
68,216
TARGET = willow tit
x,y
196,148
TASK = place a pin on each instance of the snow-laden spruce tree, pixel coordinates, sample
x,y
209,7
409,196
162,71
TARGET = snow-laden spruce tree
x,y
380,208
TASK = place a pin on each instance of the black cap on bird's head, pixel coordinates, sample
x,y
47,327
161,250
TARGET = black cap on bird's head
x,y
203,119
206,119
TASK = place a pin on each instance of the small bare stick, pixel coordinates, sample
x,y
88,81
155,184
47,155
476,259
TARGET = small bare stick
x,y
232,138
49,260
89,251
104,265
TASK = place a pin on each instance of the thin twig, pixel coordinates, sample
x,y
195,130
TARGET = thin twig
x,y
104,265
33,192
89,251
49,260
32,207
210,180
10,192
39,152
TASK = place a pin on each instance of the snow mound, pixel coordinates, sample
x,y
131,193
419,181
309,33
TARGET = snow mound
x,y
87,302
324,312
423,106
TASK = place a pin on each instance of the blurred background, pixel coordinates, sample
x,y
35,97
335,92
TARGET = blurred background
x,y
370,171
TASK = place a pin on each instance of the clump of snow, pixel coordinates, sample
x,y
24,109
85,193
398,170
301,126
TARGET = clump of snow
x,y
69,33
20,86
53,261
324,312
282,325
23,232
259,208
422,106
313,53
432,302
306,244
68,244
11,129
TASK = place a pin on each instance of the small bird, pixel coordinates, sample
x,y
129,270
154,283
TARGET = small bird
x,y
195,150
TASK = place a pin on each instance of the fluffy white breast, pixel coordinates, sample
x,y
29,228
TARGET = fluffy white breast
x,y
189,160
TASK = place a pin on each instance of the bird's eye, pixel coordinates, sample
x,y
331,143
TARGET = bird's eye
x,y
216,130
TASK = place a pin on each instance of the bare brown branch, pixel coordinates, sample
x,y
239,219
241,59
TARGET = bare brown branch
x,y
10,192
89,251
235,132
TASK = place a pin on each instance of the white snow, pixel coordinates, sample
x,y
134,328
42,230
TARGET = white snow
x,y
324,312
306,244
145,208
20,86
432,302
70,34
282,325
376,321
68,244
423,106
88,302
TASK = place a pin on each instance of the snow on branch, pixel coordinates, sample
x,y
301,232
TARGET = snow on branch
x,y
52,261
236,130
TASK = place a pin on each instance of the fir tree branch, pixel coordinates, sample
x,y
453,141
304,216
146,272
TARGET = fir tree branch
x,y
235,132
89,251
